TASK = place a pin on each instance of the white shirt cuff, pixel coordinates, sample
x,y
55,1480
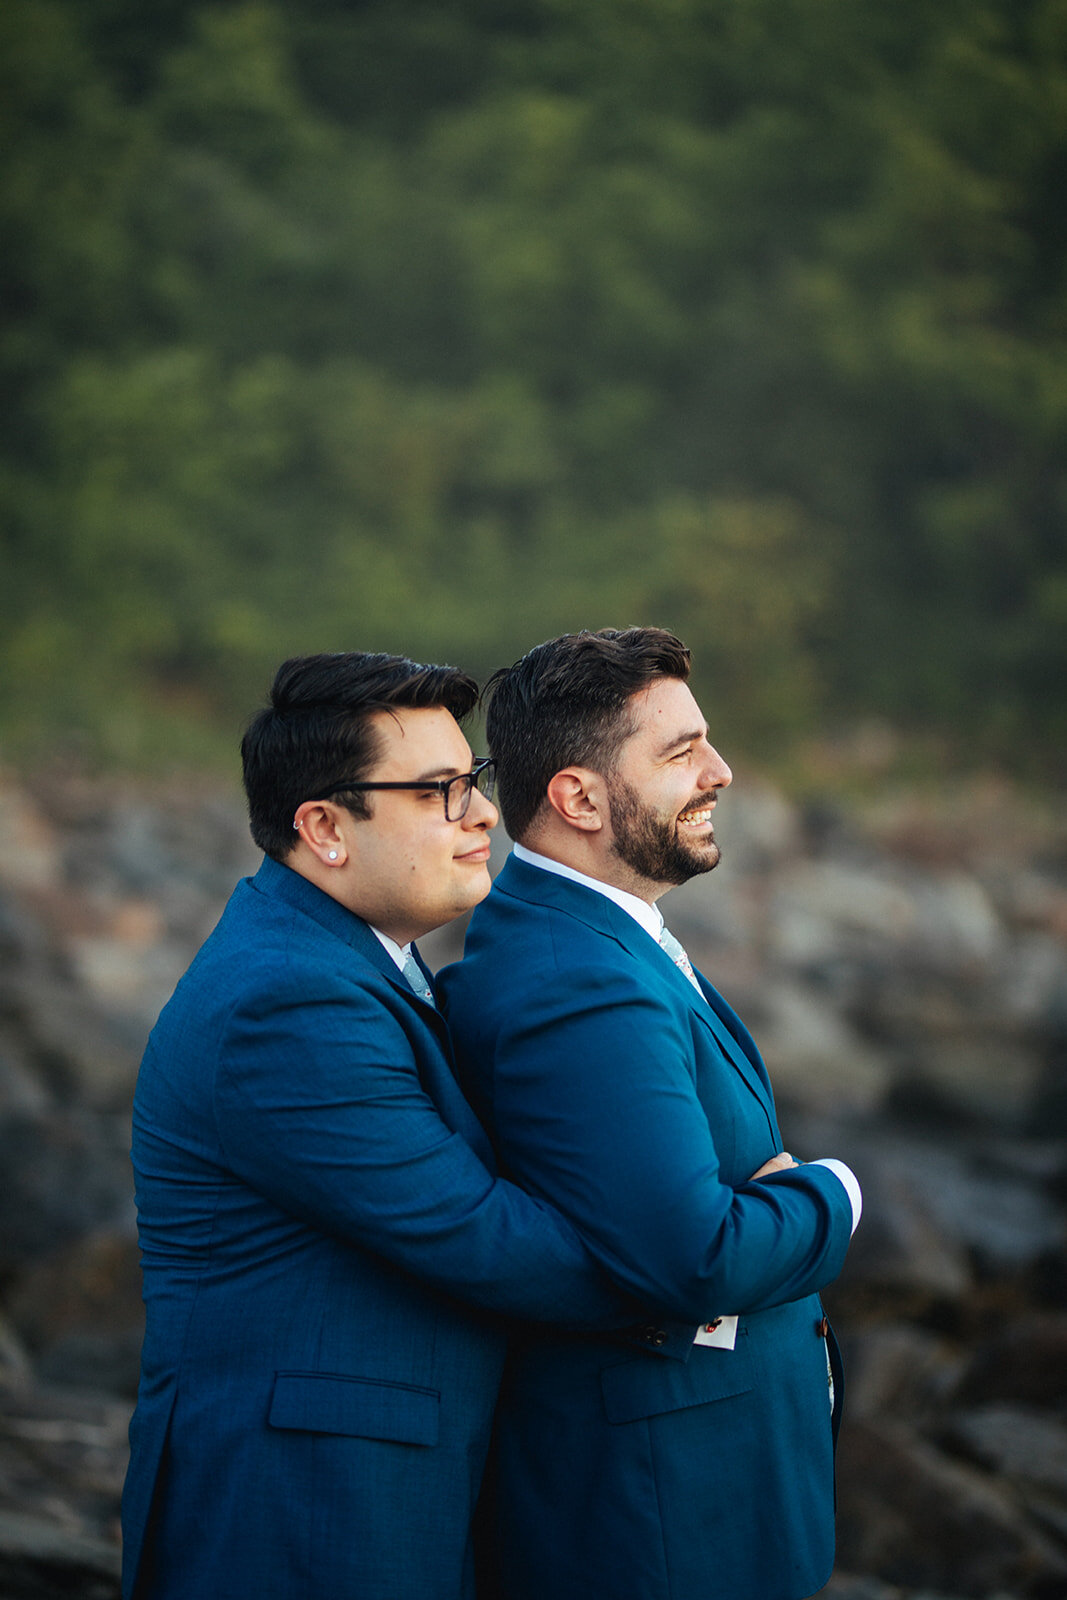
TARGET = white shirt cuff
x,y
851,1183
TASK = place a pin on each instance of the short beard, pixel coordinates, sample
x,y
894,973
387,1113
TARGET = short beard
x,y
652,847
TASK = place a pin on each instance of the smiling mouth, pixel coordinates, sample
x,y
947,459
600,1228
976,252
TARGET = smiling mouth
x,y
482,853
697,817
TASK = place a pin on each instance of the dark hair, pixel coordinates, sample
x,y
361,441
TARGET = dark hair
x,y
316,731
566,704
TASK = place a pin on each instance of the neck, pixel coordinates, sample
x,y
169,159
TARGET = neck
x,y
596,861
342,884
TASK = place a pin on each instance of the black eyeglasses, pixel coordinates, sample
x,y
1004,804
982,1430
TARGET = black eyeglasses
x,y
456,791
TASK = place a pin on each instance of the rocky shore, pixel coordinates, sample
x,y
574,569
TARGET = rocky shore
x,y
904,969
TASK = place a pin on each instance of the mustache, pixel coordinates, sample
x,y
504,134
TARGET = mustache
x,y
701,801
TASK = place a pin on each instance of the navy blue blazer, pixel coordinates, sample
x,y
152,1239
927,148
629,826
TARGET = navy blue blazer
x,y
315,1200
612,1089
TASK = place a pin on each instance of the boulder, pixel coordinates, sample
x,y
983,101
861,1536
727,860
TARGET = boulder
x,y
62,1175
80,1314
913,1516
1022,1359
63,1457
1017,1442
937,1218
41,1560
896,1369
814,1056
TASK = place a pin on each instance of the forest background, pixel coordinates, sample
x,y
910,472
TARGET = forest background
x,y
445,325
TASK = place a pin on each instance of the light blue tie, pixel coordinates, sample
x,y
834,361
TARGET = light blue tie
x,y
677,954
414,974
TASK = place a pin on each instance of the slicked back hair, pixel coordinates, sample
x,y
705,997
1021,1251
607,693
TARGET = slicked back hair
x,y
567,703
316,731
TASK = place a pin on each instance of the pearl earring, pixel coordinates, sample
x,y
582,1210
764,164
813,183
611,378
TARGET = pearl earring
x,y
331,855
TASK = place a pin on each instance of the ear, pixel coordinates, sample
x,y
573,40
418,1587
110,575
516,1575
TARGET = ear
x,y
316,825
576,795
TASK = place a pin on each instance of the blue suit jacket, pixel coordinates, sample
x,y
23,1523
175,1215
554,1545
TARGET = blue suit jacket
x,y
611,1088
312,1191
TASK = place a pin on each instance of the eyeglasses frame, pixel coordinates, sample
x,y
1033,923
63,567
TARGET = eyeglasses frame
x,y
439,786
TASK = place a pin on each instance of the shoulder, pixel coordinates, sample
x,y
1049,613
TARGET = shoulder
x,y
530,967
267,957
520,943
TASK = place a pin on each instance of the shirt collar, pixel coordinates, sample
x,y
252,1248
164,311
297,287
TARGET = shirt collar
x,y
649,917
398,952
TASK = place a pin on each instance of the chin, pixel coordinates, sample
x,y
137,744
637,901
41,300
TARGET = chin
x,y
478,889
703,860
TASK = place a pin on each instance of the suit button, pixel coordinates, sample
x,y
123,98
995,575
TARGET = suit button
x,y
822,1328
655,1336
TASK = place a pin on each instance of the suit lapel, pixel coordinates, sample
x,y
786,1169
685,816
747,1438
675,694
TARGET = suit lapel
x,y
435,1062
535,885
739,1046
283,883
712,1011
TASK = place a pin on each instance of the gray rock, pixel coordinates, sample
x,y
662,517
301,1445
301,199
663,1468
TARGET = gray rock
x,y
39,1560
902,1251
933,1212
1017,1442
914,1517
30,844
22,1092
757,827
80,1314
1047,1513
848,1586
16,1370
956,925
1005,1222
821,908
63,1457
1022,1359
897,1369
814,1056
1031,977
91,1054
61,1176
986,1076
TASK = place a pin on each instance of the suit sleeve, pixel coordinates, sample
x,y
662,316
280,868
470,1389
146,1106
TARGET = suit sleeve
x,y
319,1107
594,1106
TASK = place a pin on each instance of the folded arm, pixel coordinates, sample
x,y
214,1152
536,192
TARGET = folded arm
x,y
594,1103
319,1107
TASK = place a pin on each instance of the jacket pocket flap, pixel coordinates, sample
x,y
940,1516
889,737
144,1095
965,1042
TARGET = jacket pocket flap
x,y
320,1402
645,1388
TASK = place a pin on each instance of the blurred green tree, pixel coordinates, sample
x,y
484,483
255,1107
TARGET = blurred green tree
x,y
440,325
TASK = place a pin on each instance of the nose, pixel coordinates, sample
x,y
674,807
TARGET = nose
x,y
481,813
715,773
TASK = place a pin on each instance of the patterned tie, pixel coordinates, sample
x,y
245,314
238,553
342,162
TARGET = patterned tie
x,y
414,974
677,954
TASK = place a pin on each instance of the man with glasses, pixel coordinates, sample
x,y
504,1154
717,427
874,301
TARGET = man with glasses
x,y
323,1232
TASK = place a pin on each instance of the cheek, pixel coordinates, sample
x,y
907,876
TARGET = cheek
x,y
429,858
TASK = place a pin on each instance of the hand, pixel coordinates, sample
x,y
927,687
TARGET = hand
x,y
780,1163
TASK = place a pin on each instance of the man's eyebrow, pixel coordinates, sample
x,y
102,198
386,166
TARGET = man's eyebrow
x,y
439,772
681,738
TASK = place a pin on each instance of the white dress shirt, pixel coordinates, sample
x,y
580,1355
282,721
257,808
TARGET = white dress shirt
x,y
398,952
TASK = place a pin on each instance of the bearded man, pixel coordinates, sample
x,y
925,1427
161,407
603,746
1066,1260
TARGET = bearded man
x,y
619,1085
